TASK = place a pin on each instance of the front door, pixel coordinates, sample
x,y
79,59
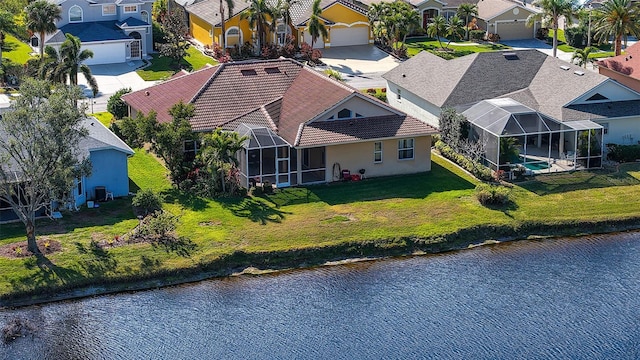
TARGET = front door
x,y
135,49
282,167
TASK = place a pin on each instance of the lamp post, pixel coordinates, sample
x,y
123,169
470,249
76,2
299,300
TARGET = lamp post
x,y
589,30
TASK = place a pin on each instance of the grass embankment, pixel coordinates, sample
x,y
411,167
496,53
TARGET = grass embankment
x,y
598,50
15,50
415,45
161,67
310,225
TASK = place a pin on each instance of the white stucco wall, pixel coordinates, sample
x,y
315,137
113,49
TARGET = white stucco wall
x,y
613,90
413,105
622,131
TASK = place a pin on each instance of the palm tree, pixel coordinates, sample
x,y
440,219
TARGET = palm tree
x,y
41,18
454,28
437,27
551,12
316,26
230,5
219,152
617,18
582,56
257,14
467,10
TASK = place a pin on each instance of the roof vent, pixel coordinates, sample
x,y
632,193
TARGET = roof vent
x,y
564,67
578,72
249,72
510,56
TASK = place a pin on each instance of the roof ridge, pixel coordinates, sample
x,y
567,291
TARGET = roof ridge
x,y
206,83
259,108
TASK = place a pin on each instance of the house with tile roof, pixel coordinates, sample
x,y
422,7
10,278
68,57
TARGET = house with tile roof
x,y
302,126
116,31
426,83
346,22
623,68
506,18
109,170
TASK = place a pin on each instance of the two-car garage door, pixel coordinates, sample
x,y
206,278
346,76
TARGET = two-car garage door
x,y
514,30
356,35
108,53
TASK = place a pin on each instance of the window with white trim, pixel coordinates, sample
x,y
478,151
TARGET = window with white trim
x,y
75,14
108,9
405,149
282,30
233,37
130,9
377,152
144,16
605,128
399,95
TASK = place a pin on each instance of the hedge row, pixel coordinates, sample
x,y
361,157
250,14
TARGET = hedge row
x,y
476,169
623,153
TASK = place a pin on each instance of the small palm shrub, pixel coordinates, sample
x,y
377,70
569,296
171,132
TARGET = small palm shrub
x,y
492,194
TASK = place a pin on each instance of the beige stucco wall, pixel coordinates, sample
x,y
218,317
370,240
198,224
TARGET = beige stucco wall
x,y
360,156
360,106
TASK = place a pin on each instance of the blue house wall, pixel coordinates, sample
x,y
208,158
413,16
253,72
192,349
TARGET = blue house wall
x,y
109,169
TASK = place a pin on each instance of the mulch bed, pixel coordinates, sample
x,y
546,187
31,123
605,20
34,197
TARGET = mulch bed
x,y
19,249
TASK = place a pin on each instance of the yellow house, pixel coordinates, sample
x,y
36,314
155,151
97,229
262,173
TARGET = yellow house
x,y
346,24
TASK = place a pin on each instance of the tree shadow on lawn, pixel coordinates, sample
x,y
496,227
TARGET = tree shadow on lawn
x,y
254,209
581,180
415,186
186,199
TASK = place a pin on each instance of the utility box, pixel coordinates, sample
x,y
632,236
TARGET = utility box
x,y
101,193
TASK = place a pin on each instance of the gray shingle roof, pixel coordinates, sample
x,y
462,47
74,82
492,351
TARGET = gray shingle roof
x,y
209,10
101,138
532,78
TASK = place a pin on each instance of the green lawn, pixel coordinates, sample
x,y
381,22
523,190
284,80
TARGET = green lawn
x,y
414,46
383,213
15,50
599,50
104,117
161,67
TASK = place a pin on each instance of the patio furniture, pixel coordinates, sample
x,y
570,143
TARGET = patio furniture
x,y
346,175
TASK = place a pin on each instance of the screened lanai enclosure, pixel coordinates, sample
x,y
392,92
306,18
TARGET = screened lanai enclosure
x,y
266,157
513,134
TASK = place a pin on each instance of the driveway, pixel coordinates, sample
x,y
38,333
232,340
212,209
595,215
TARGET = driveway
x,y
538,45
361,66
111,78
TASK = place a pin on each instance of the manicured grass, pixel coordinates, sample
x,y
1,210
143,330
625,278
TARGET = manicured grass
x,y
599,50
15,50
414,46
161,67
383,213
104,117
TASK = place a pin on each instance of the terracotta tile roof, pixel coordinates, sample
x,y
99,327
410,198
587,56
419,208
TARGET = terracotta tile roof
x,y
163,96
626,64
240,87
362,129
266,115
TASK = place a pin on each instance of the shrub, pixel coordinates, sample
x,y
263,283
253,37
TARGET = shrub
x,y
147,200
159,225
492,194
476,34
542,33
116,105
576,36
476,169
381,95
334,74
623,153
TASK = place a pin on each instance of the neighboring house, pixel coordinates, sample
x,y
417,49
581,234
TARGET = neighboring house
x,y
303,127
109,172
346,22
116,31
426,83
506,18
623,68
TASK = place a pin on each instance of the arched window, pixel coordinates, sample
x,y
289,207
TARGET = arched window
x,y
144,16
282,30
75,14
233,37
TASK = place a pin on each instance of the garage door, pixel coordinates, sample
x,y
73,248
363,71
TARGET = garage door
x,y
106,53
350,36
514,30
319,41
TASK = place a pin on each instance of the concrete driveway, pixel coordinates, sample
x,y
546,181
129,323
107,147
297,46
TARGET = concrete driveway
x,y
361,66
538,45
111,78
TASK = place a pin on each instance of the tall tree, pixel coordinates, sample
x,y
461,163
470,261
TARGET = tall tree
x,y
617,18
39,150
316,25
258,13
219,153
437,28
175,30
230,5
41,18
581,56
374,14
467,10
551,11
